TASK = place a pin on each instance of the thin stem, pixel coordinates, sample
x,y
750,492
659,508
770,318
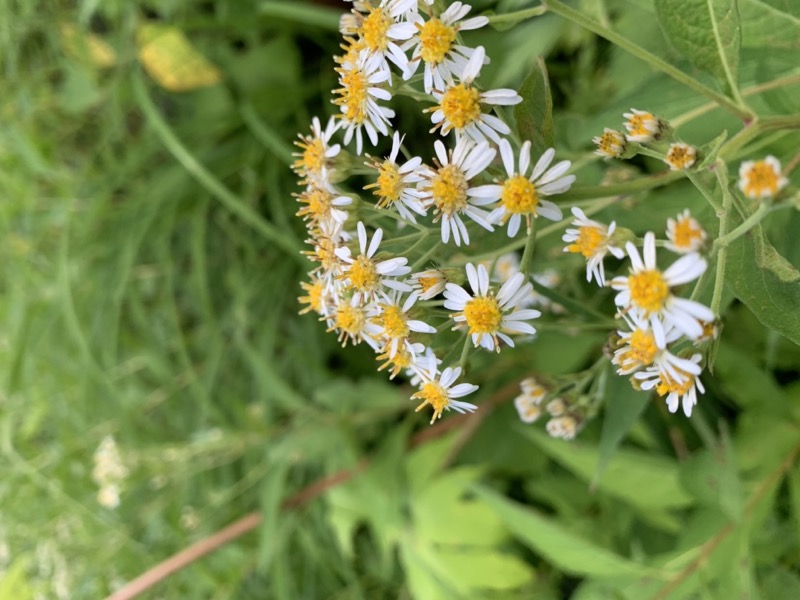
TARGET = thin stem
x,y
723,241
462,362
755,129
517,16
584,21
527,253
721,172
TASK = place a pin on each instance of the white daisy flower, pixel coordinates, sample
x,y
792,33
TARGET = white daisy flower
x,y
439,392
521,195
680,156
489,317
436,46
761,179
642,126
405,358
680,385
317,153
366,276
322,203
611,144
353,322
319,298
447,187
593,241
646,293
685,234
428,284
460,105
639,347
395,324
359,95
396,185
379,29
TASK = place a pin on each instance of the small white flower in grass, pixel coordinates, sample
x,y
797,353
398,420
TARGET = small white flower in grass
x,y
353,322
322,203
395,324
396,186
680,156
460,105
528,403
642,126
438,391
446,188
366,276
639,347
593,241
489,317
404,359
685,234
379,29
428,284
646,293
761,179
611,144
565,428
360,80
521,195
679,384
436,46
317,153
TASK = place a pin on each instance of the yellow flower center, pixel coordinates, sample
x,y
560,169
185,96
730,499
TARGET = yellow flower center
x,y
363,274
681,156
318,204
611,143
483,315
313,157
637,124
436,39
394,321
461,105
374,29
401,360
427,283
686,234
325,253
668,385
649,291
350,319
315,292
643,348
449,190
434,394
761,179
519,196
389,184
354,95
591,240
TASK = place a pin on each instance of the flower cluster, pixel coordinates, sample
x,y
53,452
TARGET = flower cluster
x,y
369,282
536,400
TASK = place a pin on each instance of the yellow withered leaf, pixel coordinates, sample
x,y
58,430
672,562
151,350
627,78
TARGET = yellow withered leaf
x,y
170,59
83,45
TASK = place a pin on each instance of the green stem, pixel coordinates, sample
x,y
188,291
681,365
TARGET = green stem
x,y
425,257
703,188
527,253
620,189
724,240
208,181
721,172
755,129
517,16
301,13
649,152
462,362
584,21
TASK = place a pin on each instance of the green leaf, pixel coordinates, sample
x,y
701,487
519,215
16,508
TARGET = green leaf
x,y
13,583
766,283
535,113
569,552
713,478
623,405
485,569
745,381
773,24
707,33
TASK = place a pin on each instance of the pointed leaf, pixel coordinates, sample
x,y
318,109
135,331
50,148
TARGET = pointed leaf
x,y
770,24
535,113
707,33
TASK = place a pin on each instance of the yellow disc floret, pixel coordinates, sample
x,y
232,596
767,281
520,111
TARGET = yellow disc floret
x,y
363,275
642,349
687,234
318,203
395,323
591,240
350,321
483,315
353,94
649,290
389,185
374,29
519,196
436,39
449,190
637,124
401,360
314,299
461,105
762,180
434,394
669,385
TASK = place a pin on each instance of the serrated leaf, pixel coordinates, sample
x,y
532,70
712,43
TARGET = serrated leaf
x,y
172,61
766,283
707,33
534,114
566,550
622,407
774,25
